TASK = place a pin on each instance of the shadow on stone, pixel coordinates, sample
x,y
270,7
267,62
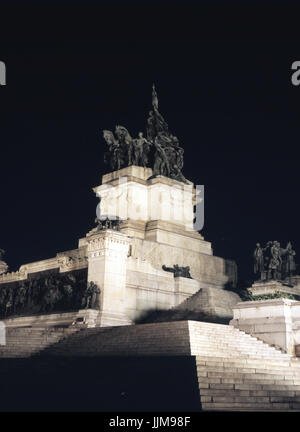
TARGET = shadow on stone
x,y
154,316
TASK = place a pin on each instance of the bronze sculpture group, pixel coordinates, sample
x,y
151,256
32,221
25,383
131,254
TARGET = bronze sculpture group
x,y
107,223
160,150
273,262
53,292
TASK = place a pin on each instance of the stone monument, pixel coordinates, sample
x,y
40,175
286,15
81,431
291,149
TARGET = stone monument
x,y
144,252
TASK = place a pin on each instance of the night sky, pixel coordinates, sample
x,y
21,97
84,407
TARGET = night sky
x,y
223,75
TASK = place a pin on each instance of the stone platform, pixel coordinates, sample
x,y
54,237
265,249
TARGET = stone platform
x,y
273,287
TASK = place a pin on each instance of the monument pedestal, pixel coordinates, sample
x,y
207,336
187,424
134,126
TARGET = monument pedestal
x,y
157,216
273,288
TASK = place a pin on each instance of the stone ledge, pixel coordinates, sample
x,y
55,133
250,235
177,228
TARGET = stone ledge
x,y
52,319
269,302
132,171
175,228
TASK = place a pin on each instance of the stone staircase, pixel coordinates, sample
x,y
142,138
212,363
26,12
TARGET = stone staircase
x,y
236,372
22,342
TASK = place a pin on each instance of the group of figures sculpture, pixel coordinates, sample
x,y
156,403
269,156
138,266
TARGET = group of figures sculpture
x,y
160,149
274,262
50,293
178,271
106,223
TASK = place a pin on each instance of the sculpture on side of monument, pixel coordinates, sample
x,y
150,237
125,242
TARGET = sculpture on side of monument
x,y
178,271
9,301
67,285
103,224
45,293
3,265
2,300
21,296
91,297
52,294
273,262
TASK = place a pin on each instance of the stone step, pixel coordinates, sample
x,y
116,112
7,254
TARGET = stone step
x,y
248,406
267,385
254,399
205,385
248,369
225,361
250,393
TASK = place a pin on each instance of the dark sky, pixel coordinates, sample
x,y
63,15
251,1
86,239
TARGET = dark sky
x,y
223,75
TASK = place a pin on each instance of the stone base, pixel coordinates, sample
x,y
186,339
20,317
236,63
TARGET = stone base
x,y
85,317
110,319
274,321
273,287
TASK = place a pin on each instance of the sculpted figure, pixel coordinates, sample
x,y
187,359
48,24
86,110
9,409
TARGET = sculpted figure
x,y
114,155
259,261
275,261
2,301
289,265
141,150
91,297
151,128
99,224
21,297
9,303
126,143
161,163
52,295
